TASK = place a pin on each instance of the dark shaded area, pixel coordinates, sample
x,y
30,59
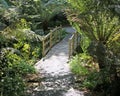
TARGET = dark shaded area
x,y
59,19
79,49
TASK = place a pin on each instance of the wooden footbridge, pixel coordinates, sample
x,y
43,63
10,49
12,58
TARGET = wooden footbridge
x,y
56,36
57,78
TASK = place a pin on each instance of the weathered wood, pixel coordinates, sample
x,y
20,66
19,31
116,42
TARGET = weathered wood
x,y
43,48
50,39
46,43
59,35
69,48
73,43
47,49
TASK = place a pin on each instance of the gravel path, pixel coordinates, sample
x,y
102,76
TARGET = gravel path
x,y
55,71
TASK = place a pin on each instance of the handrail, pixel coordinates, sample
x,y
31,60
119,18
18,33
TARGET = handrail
x,y
73,43
50,39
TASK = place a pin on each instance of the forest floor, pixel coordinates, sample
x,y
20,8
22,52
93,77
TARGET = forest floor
x,y
57,78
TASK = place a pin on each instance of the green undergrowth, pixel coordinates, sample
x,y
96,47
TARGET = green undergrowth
x,y
20,48
85,70
89,76
13,71
19,51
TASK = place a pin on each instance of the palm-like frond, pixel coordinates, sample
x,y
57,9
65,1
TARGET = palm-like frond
x,y
100,26
4,4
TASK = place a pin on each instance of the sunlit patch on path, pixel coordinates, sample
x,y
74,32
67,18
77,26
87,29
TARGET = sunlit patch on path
x,y
57,79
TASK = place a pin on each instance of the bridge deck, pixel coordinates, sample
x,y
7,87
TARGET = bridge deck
x,y
56,71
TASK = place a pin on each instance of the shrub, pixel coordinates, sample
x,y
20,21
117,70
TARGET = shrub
x,y
81,64
86,70
14,69
77,67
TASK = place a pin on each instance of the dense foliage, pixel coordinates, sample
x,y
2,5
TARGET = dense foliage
x,y
98,23
18,51
22,22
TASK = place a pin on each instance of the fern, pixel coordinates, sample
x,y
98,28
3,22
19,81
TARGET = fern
x,y
4,4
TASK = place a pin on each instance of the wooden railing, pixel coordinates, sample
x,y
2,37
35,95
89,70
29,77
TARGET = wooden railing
x,y
50,39
73,43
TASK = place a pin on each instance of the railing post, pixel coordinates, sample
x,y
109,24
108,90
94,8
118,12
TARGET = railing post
x,y
43,48
56,36
72,44
69,48
50,39
60,35
73,41
77,39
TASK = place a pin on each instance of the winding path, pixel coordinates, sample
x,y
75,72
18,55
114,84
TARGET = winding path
x,y
57,80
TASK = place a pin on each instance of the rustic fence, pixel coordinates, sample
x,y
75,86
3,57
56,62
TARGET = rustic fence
x,y
55,36
74,41
50,39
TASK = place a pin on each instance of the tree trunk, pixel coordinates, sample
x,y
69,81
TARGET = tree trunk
x,y
103,64
115,82
101,55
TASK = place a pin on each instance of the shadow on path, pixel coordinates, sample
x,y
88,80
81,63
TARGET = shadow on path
x,y
57,79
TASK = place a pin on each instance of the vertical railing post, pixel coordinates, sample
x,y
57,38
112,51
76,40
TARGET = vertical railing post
x,y
60,33
72,44
73,41
43,48
76,39
56,35
69,48
50,39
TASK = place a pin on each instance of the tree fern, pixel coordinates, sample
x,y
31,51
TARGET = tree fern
x,y
4,4
98,24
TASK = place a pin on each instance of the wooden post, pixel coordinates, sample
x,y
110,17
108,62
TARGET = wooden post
x,y
73,41
50,39
60,35
43,48
77,39
69,48
56,37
